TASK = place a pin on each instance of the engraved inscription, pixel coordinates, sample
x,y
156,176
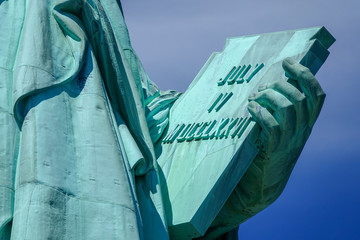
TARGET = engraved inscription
x,y
232,124
257,69
208,130
241,78
183,134
226,98
232,77
240,127
225,127
199,134
207,133
173,134
215,102
241,131
223,81
191,135
241,74
237,127
220,101
222,125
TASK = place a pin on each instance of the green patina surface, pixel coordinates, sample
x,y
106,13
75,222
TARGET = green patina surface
x,y
90,148
210,142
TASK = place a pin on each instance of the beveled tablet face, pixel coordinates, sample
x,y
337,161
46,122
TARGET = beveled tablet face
x,y
209,144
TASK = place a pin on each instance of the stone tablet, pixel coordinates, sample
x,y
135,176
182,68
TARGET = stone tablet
x,y
211,137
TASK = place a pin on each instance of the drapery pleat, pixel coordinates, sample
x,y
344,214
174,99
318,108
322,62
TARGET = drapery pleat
x,y
71,85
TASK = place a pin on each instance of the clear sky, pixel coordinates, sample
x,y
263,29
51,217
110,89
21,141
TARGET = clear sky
x,y
322,198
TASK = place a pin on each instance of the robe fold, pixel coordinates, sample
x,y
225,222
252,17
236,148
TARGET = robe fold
x,y
80,117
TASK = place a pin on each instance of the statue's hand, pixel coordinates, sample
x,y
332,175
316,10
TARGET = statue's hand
x,y
287,111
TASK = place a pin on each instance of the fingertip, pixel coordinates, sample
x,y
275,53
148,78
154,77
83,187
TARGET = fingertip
x,y
289,61
262,87
286,65
290,66
252,110
252,97
252,105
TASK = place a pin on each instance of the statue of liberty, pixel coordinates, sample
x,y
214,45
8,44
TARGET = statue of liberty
x,y
79,119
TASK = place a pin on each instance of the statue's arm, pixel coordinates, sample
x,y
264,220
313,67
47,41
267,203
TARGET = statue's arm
x,y
286,112
157,112
156,103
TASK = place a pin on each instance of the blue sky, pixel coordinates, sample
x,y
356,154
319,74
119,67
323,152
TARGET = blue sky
x,y
322,198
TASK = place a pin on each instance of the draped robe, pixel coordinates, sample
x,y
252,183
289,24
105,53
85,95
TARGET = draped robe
x,y
78,118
